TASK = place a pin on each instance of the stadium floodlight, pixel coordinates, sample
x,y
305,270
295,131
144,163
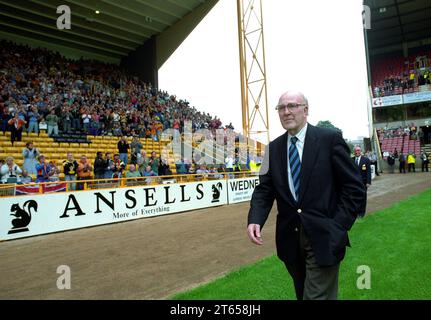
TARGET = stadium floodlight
x,y
253,70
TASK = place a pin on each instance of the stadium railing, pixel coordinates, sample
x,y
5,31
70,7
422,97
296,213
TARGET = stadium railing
x,y
34,188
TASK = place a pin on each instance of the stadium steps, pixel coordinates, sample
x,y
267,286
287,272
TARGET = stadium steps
x,y
57,151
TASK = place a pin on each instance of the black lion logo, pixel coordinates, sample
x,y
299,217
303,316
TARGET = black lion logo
x,y
23,216
216,192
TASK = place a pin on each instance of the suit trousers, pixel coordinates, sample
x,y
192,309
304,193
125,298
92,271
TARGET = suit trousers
x,y
312,282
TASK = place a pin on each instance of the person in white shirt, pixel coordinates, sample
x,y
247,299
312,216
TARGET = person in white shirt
x,y
10,170
229,163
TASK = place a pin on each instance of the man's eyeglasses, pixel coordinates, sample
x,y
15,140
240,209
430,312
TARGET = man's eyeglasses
x,y
290,106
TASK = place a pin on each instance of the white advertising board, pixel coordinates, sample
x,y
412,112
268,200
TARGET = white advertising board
x,y
240,190
33,215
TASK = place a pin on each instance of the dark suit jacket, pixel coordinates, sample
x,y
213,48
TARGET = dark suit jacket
x,y
364,169
331,193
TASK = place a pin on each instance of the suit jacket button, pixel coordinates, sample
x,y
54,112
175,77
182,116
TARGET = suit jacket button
x,y
299,211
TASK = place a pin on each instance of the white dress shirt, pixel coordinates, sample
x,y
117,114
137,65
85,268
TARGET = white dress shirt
x,y
300,146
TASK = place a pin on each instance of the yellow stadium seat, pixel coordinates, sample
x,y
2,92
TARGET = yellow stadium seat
x,y
6,144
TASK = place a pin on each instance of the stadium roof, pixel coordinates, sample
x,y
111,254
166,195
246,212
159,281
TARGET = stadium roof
x,y
394,22
119,28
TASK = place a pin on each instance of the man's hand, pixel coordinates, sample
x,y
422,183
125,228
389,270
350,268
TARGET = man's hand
x,y
368,185
253,231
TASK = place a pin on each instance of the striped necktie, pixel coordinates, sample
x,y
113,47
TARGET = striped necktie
x,y
295,165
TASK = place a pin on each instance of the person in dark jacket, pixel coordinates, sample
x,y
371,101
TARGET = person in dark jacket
x,y
402,159
99,166
319,193
123,150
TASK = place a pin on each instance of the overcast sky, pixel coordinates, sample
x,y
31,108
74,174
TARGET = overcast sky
x,y
316,47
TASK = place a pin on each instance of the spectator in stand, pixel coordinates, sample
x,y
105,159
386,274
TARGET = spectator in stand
x,y
214,173
132,173
94,124
33,120
117,130
142,162
99,166
5,117
181,166
142,131
119,166
52,121
30,154
154,131
159,130
86,119
425,161
229,163
85,171
402,159
164,169
25,177
67,119
53,172
148,133
76,120
10,170
109,166
136,147
149,173
70,168
123,149
153,162
43,126
45,80
203,170
176,127
237,163
42,169
411,161
16,125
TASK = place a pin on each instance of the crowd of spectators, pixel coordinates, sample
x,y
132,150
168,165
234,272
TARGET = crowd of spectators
x,y
413,75
412,131
42,90
107,166
406,160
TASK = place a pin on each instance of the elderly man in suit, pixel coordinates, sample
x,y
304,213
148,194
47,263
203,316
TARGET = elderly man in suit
x,y
319,193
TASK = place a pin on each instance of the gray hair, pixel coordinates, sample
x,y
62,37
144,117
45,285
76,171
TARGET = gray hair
x,y
304,98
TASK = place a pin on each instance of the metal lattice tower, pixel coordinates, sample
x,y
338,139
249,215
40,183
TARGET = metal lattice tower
x,y
253,70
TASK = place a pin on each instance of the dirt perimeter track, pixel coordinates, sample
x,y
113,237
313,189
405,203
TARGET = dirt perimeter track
x,y
155,257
